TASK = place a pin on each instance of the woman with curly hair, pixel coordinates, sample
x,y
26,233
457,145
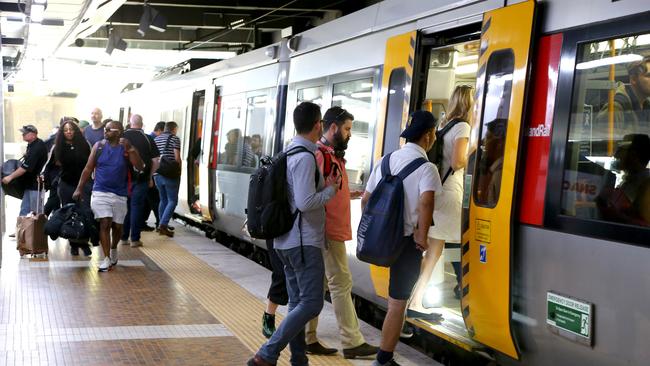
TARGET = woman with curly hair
x,y
70,152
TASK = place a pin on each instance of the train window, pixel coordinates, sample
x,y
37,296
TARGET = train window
x,y
312,94
494,125
232,122
395,110
606,171
356,97
253,148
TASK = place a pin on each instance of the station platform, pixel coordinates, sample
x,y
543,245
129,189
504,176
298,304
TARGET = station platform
x,y
185,300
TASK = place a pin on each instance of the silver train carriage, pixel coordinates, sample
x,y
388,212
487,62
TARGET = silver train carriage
x,y
547,277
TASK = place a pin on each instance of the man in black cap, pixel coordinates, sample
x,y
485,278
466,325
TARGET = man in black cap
x,y
33,162
419,190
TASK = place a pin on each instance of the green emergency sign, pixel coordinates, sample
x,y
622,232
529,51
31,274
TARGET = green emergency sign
x,y
570,317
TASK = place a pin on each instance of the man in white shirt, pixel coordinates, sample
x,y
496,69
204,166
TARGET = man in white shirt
x,y
419,190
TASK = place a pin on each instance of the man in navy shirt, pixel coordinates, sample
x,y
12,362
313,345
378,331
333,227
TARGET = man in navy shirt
x,y
95,132
33,162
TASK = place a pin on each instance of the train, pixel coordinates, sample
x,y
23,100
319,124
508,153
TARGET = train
x,y
548,275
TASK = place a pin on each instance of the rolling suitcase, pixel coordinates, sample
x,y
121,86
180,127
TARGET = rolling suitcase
x,y
30,230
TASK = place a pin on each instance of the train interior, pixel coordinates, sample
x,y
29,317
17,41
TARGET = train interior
x,y
440,313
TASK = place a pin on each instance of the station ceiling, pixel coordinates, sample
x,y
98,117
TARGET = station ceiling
x,y
81,30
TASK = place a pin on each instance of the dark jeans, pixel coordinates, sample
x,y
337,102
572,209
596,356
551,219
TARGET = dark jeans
x,y
153,201
168,189
305,287
53,201
134,219
278,289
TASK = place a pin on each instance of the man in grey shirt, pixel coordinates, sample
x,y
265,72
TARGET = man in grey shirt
x,y
300,248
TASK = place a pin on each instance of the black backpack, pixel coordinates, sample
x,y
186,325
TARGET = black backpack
x,y
381,228
268,211
436,153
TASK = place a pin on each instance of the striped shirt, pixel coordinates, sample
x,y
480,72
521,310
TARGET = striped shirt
x,y
174,144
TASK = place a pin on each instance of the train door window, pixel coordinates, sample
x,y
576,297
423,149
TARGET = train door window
x,y
395,110
356,97
606,171
254,143
314,94
232,122
494,124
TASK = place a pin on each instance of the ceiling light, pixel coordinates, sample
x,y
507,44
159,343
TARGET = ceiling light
x,y
115,41
151,18
606,61
466,69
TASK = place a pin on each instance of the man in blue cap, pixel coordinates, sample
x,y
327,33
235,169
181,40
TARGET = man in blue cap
x,y
419,190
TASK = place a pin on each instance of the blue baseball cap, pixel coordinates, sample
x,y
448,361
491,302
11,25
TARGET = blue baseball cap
x,y
420,122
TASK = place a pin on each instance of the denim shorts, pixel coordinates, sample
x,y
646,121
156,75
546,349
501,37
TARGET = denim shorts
x,y
404,273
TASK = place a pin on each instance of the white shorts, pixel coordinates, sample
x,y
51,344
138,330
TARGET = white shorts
x,y
105,204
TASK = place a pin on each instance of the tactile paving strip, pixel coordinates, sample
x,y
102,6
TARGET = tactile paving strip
x,y
232,305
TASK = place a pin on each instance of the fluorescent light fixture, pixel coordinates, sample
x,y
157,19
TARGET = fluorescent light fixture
x,y
609,61
366,85
115,41
237,22
151,18
466,69
37,12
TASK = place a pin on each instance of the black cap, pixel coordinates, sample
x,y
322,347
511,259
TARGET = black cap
x,y
27,129
420,122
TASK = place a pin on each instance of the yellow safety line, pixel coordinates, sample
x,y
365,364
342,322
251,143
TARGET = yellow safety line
x,y
232,305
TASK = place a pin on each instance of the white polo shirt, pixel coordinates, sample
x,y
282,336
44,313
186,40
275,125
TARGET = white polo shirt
x,y
424,179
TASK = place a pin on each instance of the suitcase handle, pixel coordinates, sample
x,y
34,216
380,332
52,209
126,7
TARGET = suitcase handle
x,y
40,203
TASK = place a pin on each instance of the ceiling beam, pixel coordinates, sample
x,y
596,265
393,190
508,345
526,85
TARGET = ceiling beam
x,y
177,35
230,7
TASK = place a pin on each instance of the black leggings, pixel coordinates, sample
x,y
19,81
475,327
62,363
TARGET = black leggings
x,y
278,290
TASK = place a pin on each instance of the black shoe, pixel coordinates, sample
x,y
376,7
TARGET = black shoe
x,y
148,228
360,351
406,331
424,316
74,251
392,362
87,251
170,228
268,324
318,349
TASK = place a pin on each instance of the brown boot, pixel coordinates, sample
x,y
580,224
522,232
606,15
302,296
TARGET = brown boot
x,y
165,231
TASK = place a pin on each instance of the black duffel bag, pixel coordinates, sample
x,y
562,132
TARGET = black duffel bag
x,y
168,168
17,187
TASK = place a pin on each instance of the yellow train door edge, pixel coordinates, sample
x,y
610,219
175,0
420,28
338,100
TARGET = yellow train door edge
x,y
487,240
400,56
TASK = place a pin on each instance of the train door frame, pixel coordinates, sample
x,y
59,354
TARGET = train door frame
x,y
190,168
214,202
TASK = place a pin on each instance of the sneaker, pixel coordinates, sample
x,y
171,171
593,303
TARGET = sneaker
x,y
105,265
74,250
360,351
268,324
113,257
136,243
125,242
87,251
318,349
406,331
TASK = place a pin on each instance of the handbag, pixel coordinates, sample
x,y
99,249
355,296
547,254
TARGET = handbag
x,y
16,188
168,168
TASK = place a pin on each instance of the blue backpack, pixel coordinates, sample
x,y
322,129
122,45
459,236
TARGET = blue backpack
x,y
381,229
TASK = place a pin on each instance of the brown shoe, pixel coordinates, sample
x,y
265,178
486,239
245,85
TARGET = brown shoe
x,y
258,361
165,231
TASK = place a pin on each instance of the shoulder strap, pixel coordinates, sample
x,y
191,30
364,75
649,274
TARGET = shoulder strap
x,y
327,161
449,172
411,167
385,165
448,127
299,149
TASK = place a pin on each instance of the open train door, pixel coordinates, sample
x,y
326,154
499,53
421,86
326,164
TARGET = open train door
x,y
488,216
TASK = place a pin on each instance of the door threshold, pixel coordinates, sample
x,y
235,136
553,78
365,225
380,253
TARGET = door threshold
x,y
450,328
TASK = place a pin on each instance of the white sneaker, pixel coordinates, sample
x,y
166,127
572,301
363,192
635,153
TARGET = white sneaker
x,y
125,242
113,256
105,265
136,243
